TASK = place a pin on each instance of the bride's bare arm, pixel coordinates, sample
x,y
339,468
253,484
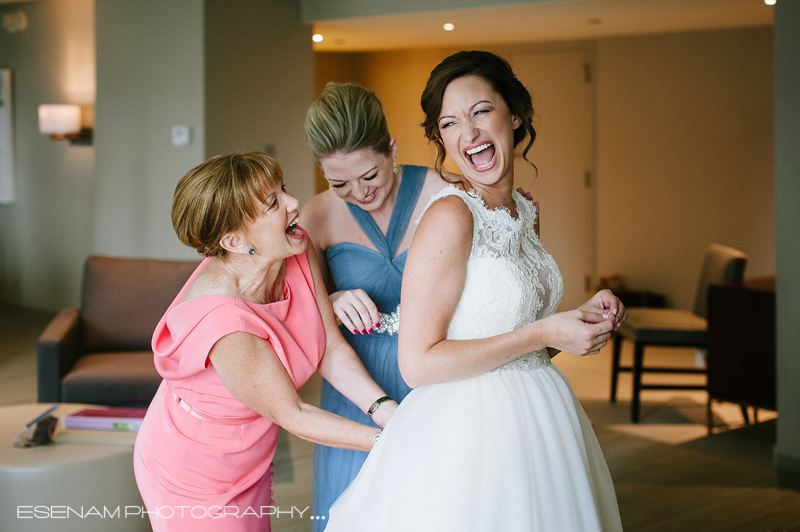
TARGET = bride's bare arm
x,y
433,281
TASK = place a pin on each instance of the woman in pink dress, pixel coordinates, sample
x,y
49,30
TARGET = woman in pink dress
x,y
249,327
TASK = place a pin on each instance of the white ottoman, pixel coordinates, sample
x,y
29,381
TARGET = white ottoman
x,y
64,486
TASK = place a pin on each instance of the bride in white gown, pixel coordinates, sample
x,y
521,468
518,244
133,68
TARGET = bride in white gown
x,y
492,437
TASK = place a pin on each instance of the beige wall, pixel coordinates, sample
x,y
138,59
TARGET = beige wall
x,y
683,144
684,155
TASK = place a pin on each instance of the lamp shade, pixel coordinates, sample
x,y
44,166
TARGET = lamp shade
x,y
59,119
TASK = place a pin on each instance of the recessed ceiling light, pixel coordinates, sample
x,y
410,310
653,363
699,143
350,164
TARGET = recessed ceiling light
x,y
449,27
317,37
769,2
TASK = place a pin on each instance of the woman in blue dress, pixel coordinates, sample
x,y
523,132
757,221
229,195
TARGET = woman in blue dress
x,y
361,228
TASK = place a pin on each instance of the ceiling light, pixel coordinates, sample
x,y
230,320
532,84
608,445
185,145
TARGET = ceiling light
x,y
769,2
449,27
317,37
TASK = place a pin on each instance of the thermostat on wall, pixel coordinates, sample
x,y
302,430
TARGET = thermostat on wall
x,y
181,135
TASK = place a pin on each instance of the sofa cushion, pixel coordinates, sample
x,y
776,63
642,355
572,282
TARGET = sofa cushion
x,y
112,379
123,300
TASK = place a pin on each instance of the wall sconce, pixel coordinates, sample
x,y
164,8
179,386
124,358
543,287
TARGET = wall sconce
x,y
64,122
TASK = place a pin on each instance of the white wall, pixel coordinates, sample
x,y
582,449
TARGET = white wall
x,y
143,67
150,76
47,232
240,73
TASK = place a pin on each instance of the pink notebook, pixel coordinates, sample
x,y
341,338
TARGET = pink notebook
x,y
129,419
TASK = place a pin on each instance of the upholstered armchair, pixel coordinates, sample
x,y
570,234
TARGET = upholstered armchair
x,y
99,353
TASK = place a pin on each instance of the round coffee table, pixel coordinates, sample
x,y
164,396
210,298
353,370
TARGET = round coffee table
x,y
66,486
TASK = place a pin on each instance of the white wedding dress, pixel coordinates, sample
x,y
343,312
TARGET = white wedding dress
x,y
509,450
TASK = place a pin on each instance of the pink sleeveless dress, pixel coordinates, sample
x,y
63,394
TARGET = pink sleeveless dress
x,y
202,459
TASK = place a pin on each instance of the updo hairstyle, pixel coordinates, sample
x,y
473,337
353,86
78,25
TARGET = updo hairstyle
x,y
346,118
221,196
497,72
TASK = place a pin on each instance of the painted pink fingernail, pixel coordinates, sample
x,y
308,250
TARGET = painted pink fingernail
x,y
364,331
378,325
370,331
605,316
355,331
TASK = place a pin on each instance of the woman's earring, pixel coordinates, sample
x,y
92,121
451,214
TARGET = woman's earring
x,y
395,168
251,251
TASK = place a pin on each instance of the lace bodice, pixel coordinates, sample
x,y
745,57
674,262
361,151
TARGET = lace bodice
x,y
511,280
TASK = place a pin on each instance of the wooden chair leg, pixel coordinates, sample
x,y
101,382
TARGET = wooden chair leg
x,y
615,358
638,359
709,417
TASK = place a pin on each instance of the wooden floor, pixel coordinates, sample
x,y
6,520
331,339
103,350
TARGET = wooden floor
x,y
669,475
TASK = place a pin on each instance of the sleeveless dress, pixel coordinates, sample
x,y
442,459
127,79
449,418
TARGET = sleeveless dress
x,y
379,274
508,450
202,459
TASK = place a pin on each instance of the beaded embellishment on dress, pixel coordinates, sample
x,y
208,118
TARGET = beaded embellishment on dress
x,y
535,360
390,322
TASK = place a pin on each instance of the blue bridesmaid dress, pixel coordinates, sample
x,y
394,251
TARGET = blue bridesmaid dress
x,y
379,274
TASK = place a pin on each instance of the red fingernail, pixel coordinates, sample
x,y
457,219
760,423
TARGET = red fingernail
x,y
370,331
378,325
355,331
364,331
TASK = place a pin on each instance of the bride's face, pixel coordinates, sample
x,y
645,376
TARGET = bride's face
x,y
477,130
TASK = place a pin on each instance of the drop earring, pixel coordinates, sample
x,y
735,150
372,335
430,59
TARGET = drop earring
x,y
395,168
251,251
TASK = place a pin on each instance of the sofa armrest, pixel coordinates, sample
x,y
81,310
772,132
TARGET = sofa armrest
x,y
57,351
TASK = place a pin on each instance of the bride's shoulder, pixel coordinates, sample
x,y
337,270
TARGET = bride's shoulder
x,y
446,230
447,213
450,189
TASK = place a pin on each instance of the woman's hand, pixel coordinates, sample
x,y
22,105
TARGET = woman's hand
x,y
356,310
606,303
580,332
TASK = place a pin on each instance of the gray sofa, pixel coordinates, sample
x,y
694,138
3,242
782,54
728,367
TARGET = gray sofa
x,y
100,353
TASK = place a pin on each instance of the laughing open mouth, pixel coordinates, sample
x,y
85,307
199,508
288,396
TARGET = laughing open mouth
x,y
293,229
481,156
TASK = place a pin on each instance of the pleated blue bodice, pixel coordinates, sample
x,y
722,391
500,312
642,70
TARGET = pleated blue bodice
x,y
379,273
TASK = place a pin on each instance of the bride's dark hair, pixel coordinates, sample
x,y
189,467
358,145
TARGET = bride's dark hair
x,y
497,73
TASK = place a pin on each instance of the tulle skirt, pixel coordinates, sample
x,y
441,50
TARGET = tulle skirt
x,y
508,450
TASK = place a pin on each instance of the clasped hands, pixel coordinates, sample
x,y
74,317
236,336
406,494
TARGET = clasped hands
x,y
586,330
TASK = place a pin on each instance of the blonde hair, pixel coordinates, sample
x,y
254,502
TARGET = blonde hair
x,y
220,196
346,118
